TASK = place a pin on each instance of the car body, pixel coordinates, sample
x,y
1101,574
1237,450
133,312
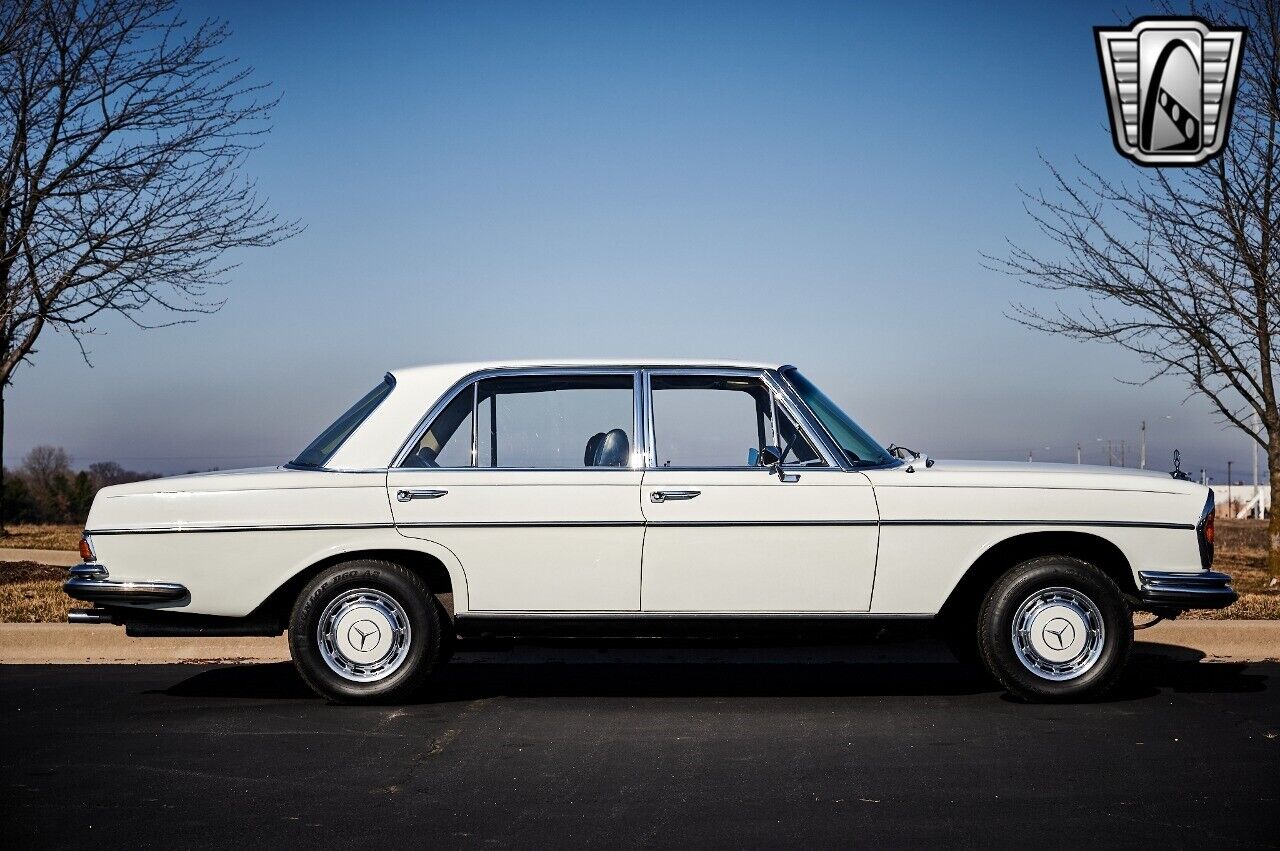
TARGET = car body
x,y
631,497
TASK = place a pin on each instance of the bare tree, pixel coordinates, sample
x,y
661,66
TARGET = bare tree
x,y
1179,265
122,135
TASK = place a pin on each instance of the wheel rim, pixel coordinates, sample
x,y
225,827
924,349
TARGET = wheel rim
x,y
1058,634
364,635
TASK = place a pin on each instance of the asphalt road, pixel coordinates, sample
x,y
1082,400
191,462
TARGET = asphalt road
x,y
739,748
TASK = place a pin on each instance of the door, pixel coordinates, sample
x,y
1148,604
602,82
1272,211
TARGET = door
x,y
725,534
531,480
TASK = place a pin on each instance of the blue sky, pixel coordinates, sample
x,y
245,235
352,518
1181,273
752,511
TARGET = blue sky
x,y
807,182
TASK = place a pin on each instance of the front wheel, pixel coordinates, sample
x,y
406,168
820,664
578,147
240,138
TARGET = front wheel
x,y
1055,629
365,631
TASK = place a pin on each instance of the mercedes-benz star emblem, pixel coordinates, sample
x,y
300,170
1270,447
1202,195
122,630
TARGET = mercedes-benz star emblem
x,y
363,635
1059,634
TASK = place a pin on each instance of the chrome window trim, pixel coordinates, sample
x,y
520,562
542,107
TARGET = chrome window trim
x,y
472,381
775,395
832,444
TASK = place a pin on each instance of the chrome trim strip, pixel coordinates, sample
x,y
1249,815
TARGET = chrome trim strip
x,y
762,523
301,527
519,524
1125,524
1135,524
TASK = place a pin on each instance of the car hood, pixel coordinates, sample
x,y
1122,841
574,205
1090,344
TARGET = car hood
x,y
1028,474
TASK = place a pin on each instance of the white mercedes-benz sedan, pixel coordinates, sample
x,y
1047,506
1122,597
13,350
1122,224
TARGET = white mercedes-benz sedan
x,y
641,499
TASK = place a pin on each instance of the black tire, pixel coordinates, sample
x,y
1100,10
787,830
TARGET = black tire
x,y
1027,588
415,656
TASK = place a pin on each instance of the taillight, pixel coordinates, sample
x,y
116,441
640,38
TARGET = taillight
x,y
86,549
1204,532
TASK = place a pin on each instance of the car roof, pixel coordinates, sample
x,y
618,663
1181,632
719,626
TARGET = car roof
x,y
464,368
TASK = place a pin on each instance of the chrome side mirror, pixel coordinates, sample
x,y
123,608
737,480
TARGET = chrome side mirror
x,y
771,457
915,460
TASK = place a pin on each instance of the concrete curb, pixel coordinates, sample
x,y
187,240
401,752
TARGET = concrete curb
x,y
57,558
97,644
57,643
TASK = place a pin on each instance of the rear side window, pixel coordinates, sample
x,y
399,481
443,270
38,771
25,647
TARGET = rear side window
x,y
534,422
320,450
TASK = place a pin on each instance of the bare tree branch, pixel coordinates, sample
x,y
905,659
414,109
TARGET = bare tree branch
x,y
1179,265
123,132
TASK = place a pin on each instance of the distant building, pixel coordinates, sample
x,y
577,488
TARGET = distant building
x,y
1246,501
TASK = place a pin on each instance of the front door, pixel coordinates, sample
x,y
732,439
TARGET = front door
x,y
532,481
725,534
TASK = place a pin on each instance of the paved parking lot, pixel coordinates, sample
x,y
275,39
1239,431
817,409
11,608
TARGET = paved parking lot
x,y
661,747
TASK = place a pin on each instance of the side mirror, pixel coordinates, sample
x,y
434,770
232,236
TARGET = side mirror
x,y
771,457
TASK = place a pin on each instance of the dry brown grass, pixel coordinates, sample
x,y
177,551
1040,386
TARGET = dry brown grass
x,y
42,536
1240,550
32,593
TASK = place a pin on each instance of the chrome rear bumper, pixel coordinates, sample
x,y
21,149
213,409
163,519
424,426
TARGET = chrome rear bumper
x,y
90,582
1207,589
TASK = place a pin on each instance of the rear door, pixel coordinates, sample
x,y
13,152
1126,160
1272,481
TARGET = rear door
x,y
532,481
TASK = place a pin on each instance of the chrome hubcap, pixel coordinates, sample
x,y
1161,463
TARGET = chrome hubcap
x,y
363,635
1058,634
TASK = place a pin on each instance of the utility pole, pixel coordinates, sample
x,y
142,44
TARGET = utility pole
x,y
1122,453
1142,437
1111,457
1255,464
1230,508
1257,494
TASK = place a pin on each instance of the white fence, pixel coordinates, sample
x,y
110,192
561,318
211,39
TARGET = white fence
x,y
1242,500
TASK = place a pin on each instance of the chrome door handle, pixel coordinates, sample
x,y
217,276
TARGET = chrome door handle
x,y
407,495
663,496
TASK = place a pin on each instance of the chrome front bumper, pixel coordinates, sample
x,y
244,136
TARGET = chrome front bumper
x,y
1207,589
90,582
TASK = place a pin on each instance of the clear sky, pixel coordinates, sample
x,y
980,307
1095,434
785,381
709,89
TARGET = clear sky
x,y
806,182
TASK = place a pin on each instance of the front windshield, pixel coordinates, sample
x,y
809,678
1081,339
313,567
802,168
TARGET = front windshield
x,y
859,447
318,453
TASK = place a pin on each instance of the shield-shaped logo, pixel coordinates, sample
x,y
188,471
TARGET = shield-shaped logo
x,y
1170,84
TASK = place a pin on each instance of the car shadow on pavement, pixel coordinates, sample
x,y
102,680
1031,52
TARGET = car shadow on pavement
x,y
1153,669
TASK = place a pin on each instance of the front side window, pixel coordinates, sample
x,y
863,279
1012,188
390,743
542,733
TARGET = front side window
x,y
320,450
721,421
858,446
541,422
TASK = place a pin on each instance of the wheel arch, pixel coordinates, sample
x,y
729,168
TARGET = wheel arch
x,y
433,570
1003,555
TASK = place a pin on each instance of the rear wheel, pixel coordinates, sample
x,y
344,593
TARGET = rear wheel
x,y
365,631
1055,629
